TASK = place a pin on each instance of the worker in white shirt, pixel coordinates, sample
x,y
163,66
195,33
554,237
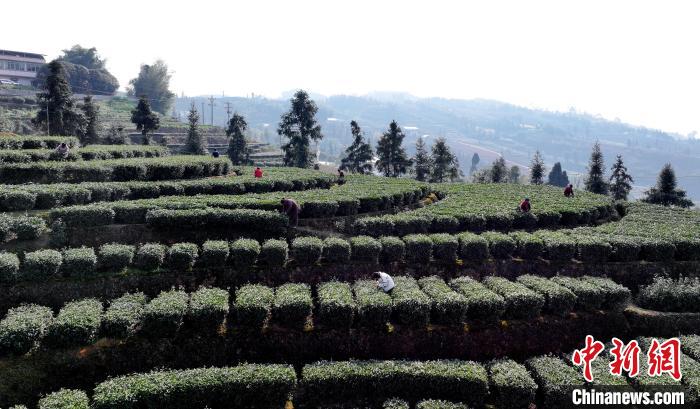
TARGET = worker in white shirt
x,y
384,281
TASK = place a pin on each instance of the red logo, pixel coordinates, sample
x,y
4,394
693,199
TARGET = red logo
x,y
625,358
587,355
665,358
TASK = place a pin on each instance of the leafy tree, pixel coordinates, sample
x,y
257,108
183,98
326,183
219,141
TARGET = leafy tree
x,y
237,145
514,174
5,123
195,143
392,160
620,180
86,57
299,126
499,171
145,120
557,177
92,124
115,136
445,163
63,115
154,82
595,182
475,162
358,156
482,176
537,169
666,191
84,70
422,162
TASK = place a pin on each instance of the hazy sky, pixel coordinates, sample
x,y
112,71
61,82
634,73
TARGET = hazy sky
x,y
634,60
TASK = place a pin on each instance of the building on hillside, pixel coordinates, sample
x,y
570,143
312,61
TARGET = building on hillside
x,y
19,67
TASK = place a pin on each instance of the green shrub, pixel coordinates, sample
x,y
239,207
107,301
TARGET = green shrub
x,y
29,228
588,296
411,305
40,265
115,257
79,262
9,267
624,249
419,248
164,315
482,303
17,200
83,216
521,302
393,249
511,385
687,249
657,250
253,304
336,250
214,254
555,379
558,246
411,380
395,404
445,247
23,327
473,247
209,307
500,245
439,404
666,294
690,345
245,252
593,250
65,399
274,253
150,256
293,304
336,305
183,256
216,218
243,386
374,307
448,306
528,246
614,295
366,249
307,250
78,323
123,315
559,300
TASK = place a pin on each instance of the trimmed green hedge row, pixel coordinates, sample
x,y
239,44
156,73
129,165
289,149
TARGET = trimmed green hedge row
x,y
36,142
556,379
165,168
65,399
511,385
93,152
28,197
20,227
666,294
521,302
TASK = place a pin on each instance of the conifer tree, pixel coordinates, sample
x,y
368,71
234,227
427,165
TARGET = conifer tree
x,y
91,112
537,169
195,143
392,160
358,156
299,126
620,180
445,163
64,118
422,162
557,177
475,162
145,120
595,182
237,145
499,171
666,191
514,174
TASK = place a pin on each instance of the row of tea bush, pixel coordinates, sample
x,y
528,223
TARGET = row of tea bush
x,y
36,142
92,152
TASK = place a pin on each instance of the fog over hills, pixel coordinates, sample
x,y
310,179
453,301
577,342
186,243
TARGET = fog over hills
x,y
488,127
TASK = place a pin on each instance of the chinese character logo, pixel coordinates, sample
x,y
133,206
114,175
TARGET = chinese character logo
x,y
587,355
625,358
665,358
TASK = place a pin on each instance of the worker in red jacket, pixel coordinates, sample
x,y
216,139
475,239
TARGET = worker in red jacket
x,y
258,173
291,208
525,205
569,190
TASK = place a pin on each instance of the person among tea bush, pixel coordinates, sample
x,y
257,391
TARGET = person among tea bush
x,y
384,281
341,177
291,208
258,173
215,153
525,205
569,190
63,149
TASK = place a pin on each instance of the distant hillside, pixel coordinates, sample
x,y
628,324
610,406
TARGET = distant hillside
x,y
488,127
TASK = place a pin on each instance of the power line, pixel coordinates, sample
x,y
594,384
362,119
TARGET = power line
x,y
228,111
211,105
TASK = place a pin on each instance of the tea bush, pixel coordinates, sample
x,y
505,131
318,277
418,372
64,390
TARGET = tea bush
x,y
336,304
183,256
559,300
244,253
588,296
41,264
164,315
448,306
293,304
411,305
511,385
393,249
150,256
419,248
115,257
23,327
374,307
482,303
253,304
555,379
336,250
65,399
521,302
445,247
9,267
78,323
208,307
307,250
274,253
123,315
366,249
79,262
473,247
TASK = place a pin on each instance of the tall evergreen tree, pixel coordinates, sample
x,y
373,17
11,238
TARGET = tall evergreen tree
x,y
64,118
557,177
422,162
445,163
475,162
299,126
392,160
358,156
195,143
620,180
537,169
666,191
154,82
237,145
499,171
145,120
595,182
514,174
92,124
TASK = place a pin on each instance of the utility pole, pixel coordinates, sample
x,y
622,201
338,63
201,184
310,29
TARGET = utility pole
x,y
228,111
202,112
48,124
211,105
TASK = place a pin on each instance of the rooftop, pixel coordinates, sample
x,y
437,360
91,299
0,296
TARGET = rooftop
x,y
21,54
